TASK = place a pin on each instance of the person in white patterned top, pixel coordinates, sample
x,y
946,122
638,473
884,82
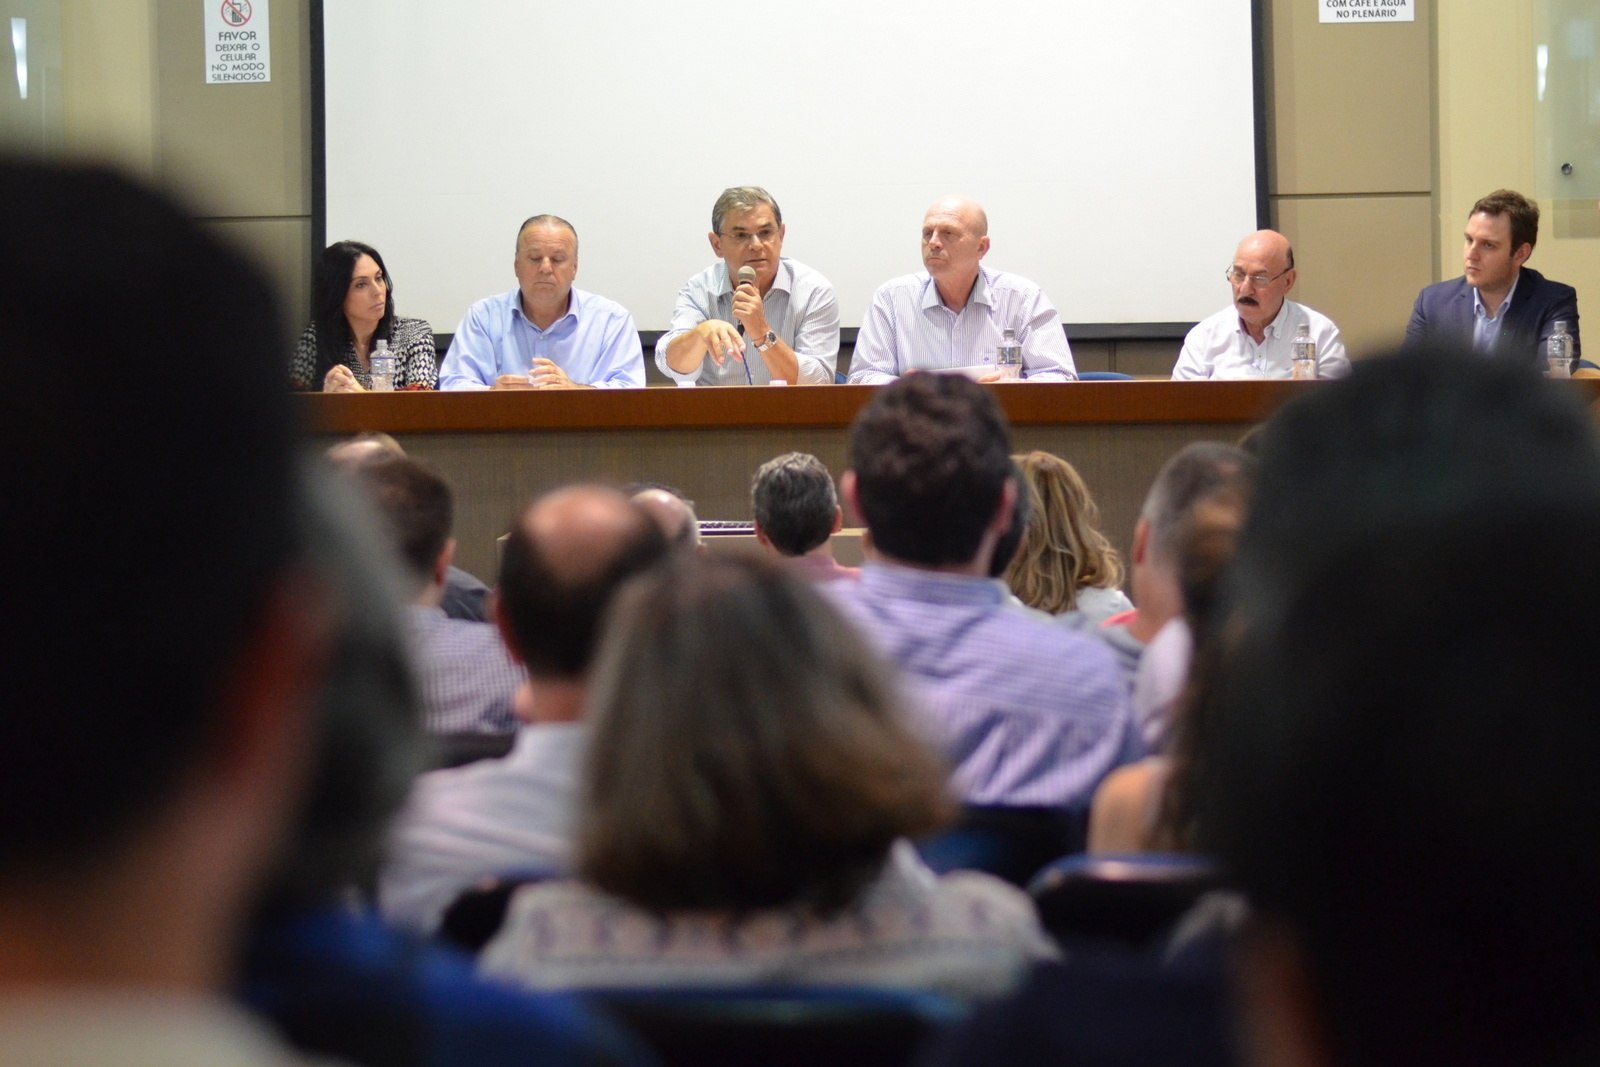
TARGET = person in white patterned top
x,y
354,310
742,807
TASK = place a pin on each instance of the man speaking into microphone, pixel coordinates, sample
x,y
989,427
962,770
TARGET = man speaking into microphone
x,y
755,317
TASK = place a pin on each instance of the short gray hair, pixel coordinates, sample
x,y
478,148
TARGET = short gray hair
x,y
742,198
1196,473
794,502
548,220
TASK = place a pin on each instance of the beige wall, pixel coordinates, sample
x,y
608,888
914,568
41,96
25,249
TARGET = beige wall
x,y
1350,120
1486,139
1380,137
136,94
109,82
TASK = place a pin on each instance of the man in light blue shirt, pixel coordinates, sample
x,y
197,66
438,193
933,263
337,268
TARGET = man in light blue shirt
x,y
545,334
954,314
780,325
1026,711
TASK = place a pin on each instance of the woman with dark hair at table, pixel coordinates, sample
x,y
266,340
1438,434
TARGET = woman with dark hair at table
x,y
353,310
750,783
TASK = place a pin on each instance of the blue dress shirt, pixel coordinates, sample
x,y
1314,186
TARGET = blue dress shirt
x,y
595,342
1026,712
1486,327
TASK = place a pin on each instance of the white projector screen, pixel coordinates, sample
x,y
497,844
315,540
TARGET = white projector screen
x,y
1113,145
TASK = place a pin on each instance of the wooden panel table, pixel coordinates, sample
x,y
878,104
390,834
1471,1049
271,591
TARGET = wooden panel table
x,y
498,449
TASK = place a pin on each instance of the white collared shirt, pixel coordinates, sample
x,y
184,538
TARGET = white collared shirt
x,y
909,328
1220,347
501,816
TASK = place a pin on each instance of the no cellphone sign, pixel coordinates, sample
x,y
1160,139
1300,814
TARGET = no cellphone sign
x,y
238,46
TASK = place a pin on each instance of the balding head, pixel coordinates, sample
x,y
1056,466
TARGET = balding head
x,y
968,211
355,452
673,514
1270,246
568,553
955,237
1262,273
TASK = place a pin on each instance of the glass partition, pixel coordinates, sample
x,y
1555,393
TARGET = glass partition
x,y
1566,100
32,116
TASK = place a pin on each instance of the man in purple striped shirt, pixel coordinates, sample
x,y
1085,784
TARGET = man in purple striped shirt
x,y
954,314
1027,712
468,681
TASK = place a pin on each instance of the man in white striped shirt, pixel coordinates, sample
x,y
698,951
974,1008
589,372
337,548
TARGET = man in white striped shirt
x,y
954,314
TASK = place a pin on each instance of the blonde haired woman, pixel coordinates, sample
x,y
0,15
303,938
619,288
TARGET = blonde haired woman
x,y
1065,564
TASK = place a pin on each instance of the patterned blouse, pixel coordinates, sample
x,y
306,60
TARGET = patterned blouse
x,y
416,365
963,934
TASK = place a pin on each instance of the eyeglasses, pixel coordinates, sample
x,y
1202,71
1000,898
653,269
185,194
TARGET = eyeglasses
x,y
1237,276
766,235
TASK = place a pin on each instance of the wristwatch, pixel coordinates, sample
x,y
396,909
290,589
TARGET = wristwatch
x,y
767,342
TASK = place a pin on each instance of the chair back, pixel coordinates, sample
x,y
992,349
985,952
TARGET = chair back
x,y
781,1027
474,917
1008,842
459,749
1130,900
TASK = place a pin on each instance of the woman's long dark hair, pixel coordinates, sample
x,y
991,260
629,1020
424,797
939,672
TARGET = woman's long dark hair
x,y
330,287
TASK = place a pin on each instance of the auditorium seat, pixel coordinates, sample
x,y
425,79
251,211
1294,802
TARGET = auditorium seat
x,y
1009,842
1129,900
781,1027
475,916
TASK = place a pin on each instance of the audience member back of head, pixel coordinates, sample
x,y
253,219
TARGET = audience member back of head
x,y
1403,770
154,522
163,642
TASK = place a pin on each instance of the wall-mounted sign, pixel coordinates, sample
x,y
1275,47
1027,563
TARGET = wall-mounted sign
x,y
1366,11
238,46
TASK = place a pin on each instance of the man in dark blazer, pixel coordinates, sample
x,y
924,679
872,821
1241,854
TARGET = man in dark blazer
x,y
1498,307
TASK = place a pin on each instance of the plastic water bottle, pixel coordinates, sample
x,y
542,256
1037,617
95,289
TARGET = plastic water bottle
x,y
1008,356
1305,353
1558,350
382,367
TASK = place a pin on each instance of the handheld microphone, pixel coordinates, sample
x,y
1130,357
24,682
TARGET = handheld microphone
x,y
746,276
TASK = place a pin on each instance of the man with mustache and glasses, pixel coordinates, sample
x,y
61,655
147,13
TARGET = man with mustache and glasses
x,y
1254,338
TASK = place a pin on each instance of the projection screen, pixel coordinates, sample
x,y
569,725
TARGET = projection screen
x,y
1116,147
